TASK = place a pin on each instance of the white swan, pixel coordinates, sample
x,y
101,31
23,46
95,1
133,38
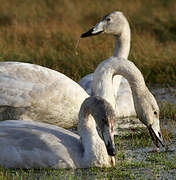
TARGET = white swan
x,y
29,144
33,92
145,104
116,24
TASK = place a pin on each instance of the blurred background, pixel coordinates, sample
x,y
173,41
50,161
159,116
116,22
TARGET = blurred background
x,y
45,32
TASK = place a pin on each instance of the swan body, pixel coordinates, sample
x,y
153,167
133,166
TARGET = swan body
x,y
33,92
124,100
29,144
116,24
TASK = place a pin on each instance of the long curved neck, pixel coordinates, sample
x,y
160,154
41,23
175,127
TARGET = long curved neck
x,y
102,82
122,43
95,152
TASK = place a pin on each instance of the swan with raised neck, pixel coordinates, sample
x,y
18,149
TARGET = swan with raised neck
x,y
29,144
115,24
145,104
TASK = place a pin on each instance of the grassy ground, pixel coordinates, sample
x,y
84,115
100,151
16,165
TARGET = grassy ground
x,y
134,160
45,32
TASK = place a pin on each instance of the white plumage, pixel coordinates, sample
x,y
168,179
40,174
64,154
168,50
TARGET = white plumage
x,y
29,144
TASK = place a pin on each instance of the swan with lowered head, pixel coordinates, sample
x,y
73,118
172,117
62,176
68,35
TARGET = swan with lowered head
x,y
144,102
29,144
115,24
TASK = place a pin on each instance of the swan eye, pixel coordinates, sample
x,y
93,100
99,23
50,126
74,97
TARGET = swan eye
x,y
103,119
155,113
108,19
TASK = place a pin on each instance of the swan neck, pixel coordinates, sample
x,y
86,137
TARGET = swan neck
x,y
93,145
102,84
122,44
86,123
129,71
102,81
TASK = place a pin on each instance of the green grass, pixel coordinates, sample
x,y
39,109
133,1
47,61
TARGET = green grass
x,y
134,160
167,110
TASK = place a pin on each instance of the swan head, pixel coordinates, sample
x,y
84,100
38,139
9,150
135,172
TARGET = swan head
x,y
114,23
104,116
148,112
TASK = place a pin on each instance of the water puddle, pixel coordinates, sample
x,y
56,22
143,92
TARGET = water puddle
x,y
164,94
146,163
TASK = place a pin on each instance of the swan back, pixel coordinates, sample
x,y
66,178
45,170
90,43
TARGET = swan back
x,y
33,92
29,144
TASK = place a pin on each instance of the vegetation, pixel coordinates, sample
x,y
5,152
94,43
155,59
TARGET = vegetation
x,y
134,160
45,32
168,110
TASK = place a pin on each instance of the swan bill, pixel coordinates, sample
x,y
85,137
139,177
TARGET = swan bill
x,y
90,33
156,137
111,149
108,139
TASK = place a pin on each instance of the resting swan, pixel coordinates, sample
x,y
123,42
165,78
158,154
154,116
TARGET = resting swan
x,y
33,92
115,24
29,144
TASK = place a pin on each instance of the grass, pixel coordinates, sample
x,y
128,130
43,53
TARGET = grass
x,y
134,160
130,164
167,110
45,33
